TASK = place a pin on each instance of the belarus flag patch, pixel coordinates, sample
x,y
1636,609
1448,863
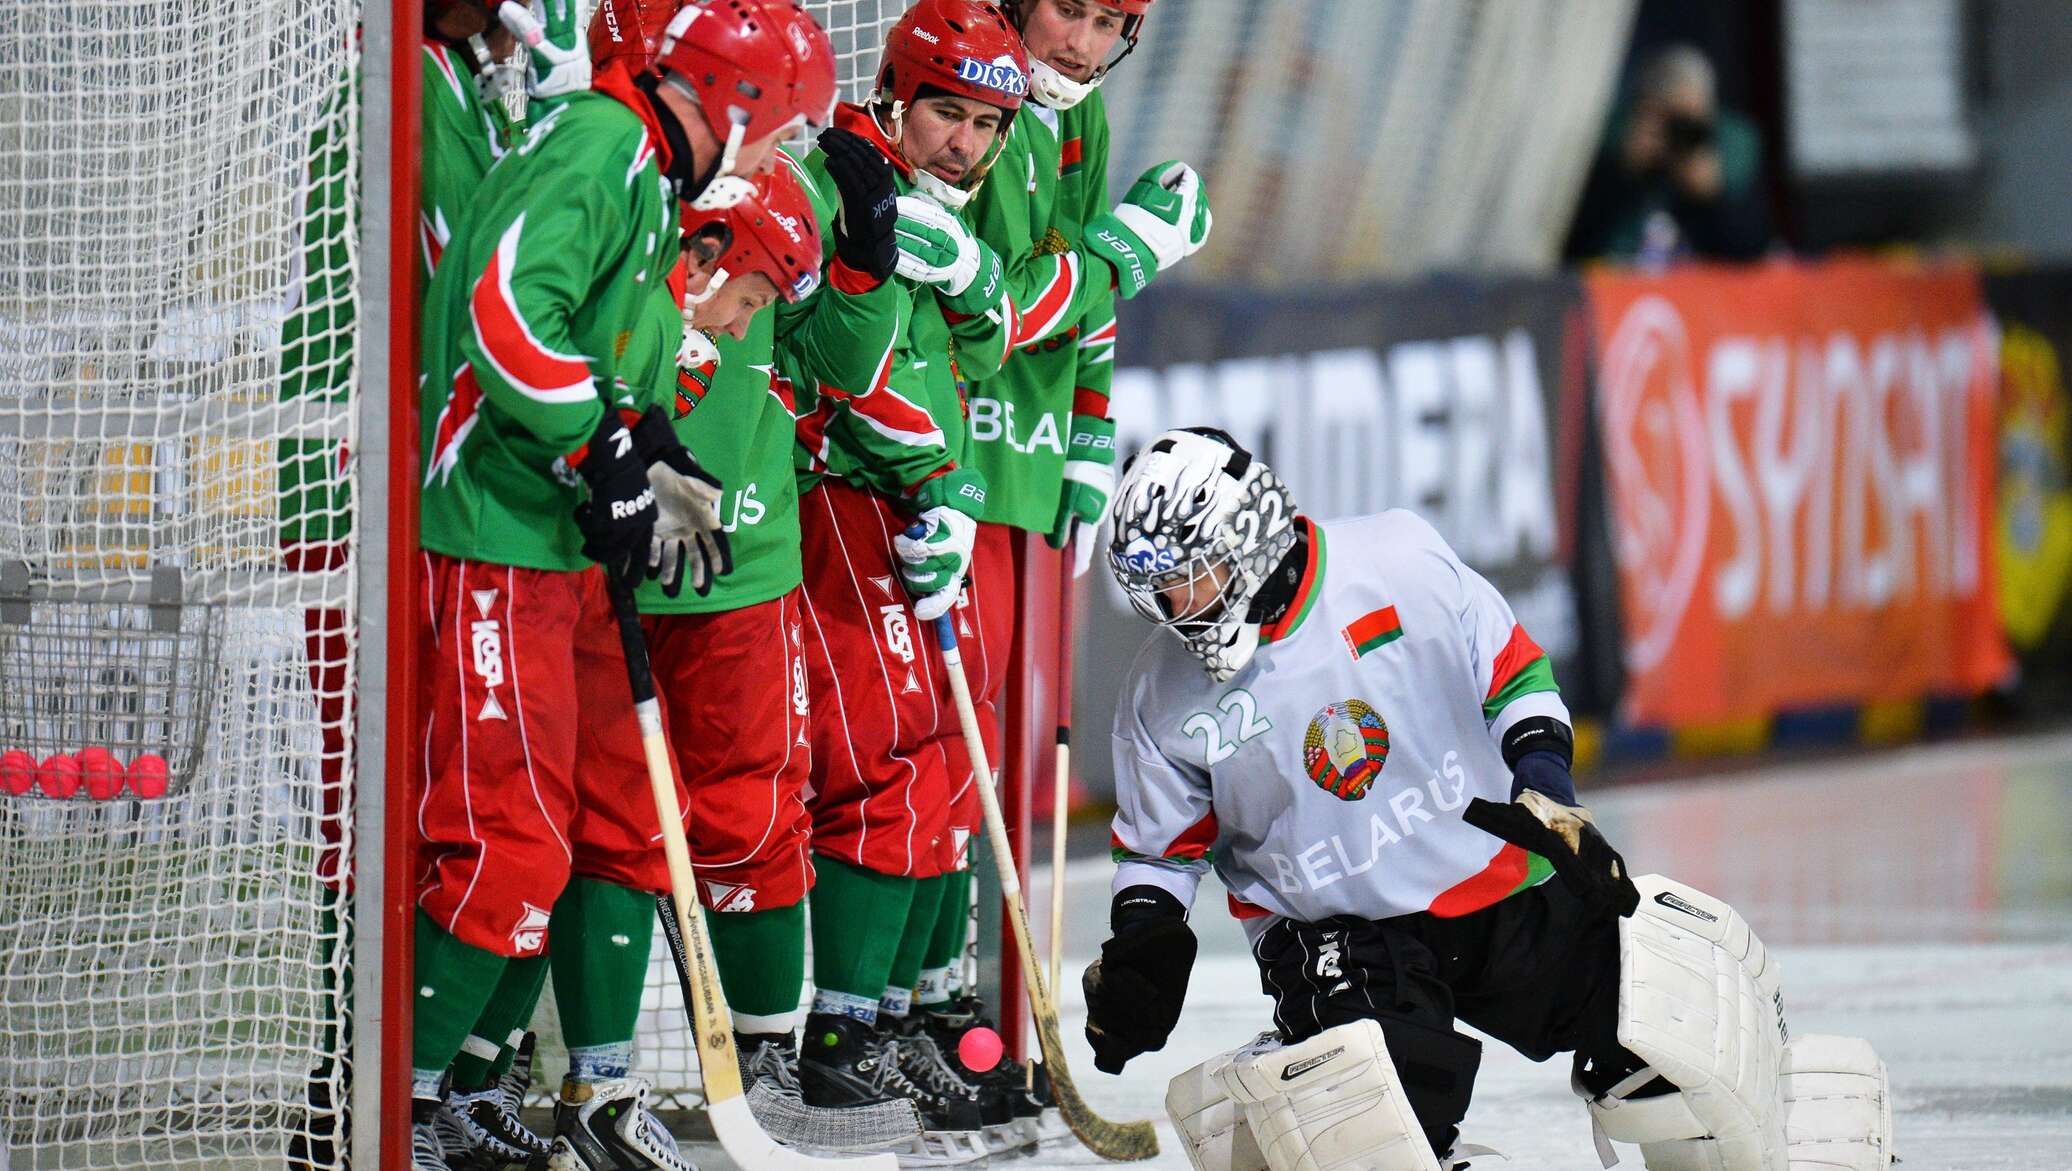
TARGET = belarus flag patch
x,y
1372,632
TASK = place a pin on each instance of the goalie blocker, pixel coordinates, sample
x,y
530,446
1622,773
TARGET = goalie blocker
x,y
1702,1076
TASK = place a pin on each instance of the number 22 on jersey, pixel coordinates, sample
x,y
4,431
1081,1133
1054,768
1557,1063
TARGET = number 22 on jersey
x,y
1216,746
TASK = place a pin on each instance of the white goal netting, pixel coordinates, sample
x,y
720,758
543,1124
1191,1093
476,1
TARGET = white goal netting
x,y
178,258
179,292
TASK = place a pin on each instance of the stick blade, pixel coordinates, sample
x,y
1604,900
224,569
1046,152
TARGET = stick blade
x,y
752,1148
1124,1142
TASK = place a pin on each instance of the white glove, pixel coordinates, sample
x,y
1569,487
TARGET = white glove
x,y
933,564
935,248
690,543
555,34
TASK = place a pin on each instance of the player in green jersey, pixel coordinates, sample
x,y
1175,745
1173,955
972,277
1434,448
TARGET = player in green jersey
x,y
888,760
539,461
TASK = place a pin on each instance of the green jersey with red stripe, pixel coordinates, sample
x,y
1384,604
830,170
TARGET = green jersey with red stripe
x,y
528,320
1052,176
458,143
1328,776
908,426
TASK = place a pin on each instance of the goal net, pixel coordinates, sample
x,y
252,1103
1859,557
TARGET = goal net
x,y
181,292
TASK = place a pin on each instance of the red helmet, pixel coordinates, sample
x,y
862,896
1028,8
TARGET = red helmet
x,y
772,232
628,30
963,47
757,66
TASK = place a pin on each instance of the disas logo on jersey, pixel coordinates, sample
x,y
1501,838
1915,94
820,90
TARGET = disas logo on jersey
x,y
1345,747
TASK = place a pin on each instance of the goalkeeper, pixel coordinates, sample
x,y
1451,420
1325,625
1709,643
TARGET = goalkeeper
x,y
542,472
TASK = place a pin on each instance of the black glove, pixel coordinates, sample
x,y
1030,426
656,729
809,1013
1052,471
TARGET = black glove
x,y
870,203
618,518
1134,991
1565,837
688,532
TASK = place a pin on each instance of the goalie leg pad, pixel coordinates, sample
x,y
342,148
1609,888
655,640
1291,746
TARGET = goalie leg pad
x,y
1699,1002
1211,1125
1331,1103
1837,1105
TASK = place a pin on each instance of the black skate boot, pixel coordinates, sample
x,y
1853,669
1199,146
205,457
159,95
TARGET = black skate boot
x,y
1026,1087
844,1062
923,1060
427,1153
607,1126
480,1131
770,1071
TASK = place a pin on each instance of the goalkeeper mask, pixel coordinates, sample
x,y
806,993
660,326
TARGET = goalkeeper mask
x,y
1200,526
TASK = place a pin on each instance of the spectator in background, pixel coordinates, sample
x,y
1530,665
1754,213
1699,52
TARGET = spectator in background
x,y
1676,174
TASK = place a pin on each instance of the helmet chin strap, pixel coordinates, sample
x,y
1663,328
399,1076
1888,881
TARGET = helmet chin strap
x,y
1057,91
951,197
718,188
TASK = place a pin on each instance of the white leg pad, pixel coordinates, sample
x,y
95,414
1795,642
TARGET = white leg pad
x,y
1331,1103
1837,1105
1211,1125
1700,1002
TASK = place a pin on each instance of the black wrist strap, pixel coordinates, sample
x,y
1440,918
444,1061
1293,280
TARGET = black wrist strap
x,y
1135,906
1538,734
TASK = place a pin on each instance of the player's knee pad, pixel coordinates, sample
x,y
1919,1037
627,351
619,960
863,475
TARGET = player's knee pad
x,y
1837,1105
1334,1102
1700,1003
1211,1125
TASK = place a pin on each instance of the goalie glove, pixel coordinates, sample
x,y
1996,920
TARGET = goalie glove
x,y
935,248
1163,219
557,49
1566,837
934,560
689,539
1089,483
1135,990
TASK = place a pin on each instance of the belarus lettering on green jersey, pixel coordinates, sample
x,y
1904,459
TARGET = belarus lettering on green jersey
x,y
1051,177
527,319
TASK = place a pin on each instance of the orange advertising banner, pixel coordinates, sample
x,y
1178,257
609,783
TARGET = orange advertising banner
x,y
1800,470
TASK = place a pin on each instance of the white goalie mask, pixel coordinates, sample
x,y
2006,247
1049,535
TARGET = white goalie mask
x,y
1199,527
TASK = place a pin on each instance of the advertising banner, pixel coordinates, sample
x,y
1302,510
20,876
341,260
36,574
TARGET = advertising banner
x,y
2033,518
1463,400
1800,470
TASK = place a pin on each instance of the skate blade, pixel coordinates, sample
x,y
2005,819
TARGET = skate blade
x,y
945,1148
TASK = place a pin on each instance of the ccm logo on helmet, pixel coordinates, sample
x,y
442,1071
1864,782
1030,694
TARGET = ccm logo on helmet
x,y
1000,73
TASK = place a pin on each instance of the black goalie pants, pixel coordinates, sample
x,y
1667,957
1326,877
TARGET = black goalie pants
x,y
1533,971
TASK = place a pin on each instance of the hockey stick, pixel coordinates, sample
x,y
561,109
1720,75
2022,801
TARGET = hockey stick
x,y
744,1139
1123,1141
1061,791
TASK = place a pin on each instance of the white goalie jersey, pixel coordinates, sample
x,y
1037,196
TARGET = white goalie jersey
x,y
1327,777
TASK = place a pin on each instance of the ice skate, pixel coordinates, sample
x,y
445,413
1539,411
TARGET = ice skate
x,y
607,1126
769,1070
842,1063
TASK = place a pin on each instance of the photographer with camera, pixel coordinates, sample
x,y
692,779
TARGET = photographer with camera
x,y
1676,175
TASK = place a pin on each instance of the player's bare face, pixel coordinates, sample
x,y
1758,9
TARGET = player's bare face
x,y
947,136
1073,37
734,306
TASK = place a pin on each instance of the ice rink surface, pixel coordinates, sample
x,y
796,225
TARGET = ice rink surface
x,y
1921,898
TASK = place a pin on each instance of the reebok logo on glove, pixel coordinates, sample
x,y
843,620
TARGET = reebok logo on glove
x,y
621,509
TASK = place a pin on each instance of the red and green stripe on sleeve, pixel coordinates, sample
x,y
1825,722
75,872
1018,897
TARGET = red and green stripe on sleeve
x,y
1521,669
1197,844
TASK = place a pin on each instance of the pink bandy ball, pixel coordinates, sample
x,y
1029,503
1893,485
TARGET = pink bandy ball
x,y
102,772
147,775
58,775
979,1049
17,771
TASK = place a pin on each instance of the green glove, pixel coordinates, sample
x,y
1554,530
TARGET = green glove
x,y
933,564
936,248
1163,219
557,47
1089,482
